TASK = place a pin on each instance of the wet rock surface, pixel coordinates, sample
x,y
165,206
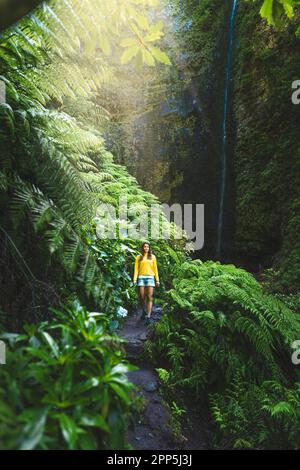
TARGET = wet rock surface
x,y
151,430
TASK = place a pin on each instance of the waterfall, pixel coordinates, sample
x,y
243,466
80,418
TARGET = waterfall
x,y
228,76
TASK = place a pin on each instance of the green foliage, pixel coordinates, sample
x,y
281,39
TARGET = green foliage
x,y
176,420
266,169
265,416
65,385
275,10
220,324
55,169
65,376
163,374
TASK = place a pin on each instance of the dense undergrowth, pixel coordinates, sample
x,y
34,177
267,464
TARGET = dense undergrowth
x,y
65,377
64,385
266,144
227,342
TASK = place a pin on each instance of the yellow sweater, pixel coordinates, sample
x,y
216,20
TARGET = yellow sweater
x,y
145,267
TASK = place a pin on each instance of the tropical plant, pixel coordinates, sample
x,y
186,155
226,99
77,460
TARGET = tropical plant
x,y
65,385
220,325
252,416
55,169
276,10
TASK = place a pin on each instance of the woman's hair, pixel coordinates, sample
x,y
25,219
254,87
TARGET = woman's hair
x,y
149,255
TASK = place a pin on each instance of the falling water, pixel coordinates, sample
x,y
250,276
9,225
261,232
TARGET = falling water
x,y
228,72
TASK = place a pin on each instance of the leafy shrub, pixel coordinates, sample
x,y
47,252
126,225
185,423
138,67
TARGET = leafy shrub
x,y
219,322
265,416
65,385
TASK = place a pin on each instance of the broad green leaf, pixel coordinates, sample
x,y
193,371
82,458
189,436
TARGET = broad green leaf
x,y
160,55
95,421
132,41
33,431
142,21
68,428
51,342
153,37
120,392
148,58
266,11
288,6
128,54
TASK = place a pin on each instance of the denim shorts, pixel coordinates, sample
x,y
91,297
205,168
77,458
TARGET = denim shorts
x,y
146,281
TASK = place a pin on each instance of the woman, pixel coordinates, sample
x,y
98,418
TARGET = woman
x,y
145,271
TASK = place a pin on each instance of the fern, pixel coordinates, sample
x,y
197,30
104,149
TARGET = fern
x,y
225,339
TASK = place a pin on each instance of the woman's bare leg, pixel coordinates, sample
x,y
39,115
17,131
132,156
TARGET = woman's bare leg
x,y
149,294
142,296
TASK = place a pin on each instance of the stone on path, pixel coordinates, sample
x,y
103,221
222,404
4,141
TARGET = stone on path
x,y
152,430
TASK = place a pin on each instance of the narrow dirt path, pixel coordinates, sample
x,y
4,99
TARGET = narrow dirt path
x,y
152,429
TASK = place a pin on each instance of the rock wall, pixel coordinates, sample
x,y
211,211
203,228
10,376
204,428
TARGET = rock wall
x,y
266,145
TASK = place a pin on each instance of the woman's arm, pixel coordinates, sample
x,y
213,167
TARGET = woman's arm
x,y
155,270
136,269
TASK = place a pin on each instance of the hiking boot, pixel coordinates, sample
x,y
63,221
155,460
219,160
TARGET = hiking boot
x,y
148,320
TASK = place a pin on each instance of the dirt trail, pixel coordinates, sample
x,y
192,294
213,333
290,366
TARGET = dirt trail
x,y
151,430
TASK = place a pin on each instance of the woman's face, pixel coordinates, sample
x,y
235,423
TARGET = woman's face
x,y
146,248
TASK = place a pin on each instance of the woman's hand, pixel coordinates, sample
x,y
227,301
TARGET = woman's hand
x,y
134,283
157,283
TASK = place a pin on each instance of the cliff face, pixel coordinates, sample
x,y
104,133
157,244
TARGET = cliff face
x,y
266,145
175,147
174,150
